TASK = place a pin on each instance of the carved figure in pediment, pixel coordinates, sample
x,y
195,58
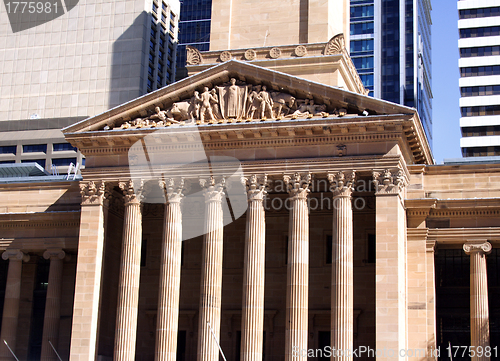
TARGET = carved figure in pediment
x,y
215,104
266,103
161,117
205,99
283,103
181,111
232,100
309,108
253,102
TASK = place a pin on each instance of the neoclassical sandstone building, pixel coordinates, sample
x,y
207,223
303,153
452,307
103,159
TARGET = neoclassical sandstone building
x,y
257,209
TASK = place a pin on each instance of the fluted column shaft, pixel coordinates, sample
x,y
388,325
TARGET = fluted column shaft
x,y
170,274
252,322
342,332
479,313
52,316
297,287
10,316
211,278
128,286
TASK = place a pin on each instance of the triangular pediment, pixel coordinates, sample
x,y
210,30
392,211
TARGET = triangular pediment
x,y
255,94
235,94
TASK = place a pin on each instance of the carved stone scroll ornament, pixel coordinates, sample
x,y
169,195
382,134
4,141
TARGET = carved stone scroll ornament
x,y
342,183
389,182
482,247
336,45
193,56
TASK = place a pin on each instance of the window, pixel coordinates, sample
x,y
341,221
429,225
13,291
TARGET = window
x,y
162,42
164,6
479,51
151,58
35,148
480,110
479,13
153,33
150,70
172,16
161,55
172,27
63,161
155,8
8,149
479,32
59,147
363,62
150,84
41,162
361,11
480,131
362,28
480,90
163,18
480,71
152,45
361,45
160,68
159,80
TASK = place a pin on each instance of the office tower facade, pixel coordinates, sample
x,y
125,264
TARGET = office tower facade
x,y
194,30
479,44
94,57
391,48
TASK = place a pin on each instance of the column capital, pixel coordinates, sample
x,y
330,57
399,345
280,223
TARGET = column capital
x,y
389,181
213,191
298,185
477,247
133,192
173,188
15,255
93,193
56,253
342,183
256,187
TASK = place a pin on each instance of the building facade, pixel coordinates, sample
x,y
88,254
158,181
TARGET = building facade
x,y
391,48
479,45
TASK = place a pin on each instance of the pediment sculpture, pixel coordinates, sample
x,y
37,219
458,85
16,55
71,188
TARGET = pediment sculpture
x,y
234,101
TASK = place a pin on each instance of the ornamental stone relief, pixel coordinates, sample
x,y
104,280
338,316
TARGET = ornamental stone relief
x,y
234,101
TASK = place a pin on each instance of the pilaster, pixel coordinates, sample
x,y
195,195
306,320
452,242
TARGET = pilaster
x,y
88,272
390,268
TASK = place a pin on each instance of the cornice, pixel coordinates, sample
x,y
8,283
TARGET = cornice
x,y
463,235
39,244
62,219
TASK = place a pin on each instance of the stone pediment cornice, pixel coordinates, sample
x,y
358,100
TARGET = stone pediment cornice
x,y
339,131
181,104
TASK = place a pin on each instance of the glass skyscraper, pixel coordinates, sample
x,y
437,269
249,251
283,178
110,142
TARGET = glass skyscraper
x,y
391,48
194,30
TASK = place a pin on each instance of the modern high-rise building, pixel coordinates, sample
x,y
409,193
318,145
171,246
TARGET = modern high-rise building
x,y
479,44
391,48
94,57
194,30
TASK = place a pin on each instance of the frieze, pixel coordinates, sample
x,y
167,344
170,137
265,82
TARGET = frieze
x,y
235,101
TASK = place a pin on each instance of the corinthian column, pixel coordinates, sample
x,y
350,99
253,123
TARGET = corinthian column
x,y
130,266
11,302
342,185
252,322
170,273
211,278
297,283
53,304
479,314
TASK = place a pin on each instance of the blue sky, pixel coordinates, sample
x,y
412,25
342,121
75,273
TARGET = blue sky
x,y
445,74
